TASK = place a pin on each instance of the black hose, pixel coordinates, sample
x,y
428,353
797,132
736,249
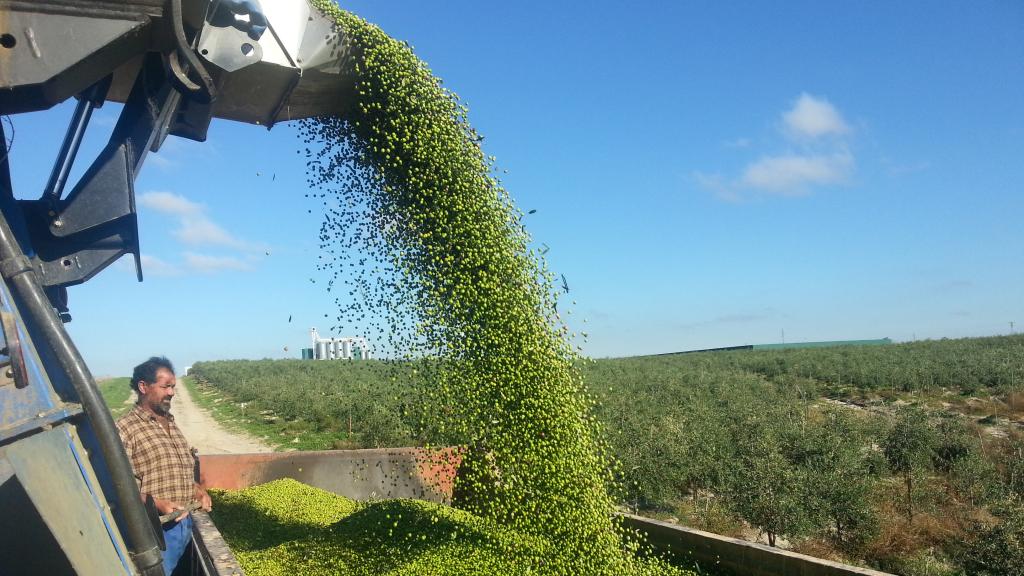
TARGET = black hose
x,y
36,309
208,90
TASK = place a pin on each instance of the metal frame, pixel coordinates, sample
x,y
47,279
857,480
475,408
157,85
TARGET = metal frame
x,y
142,53
61,386
77,237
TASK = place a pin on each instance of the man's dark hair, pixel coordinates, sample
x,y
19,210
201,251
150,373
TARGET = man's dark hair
x,y
146,372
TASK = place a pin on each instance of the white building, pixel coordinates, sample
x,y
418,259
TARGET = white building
x,y
341,348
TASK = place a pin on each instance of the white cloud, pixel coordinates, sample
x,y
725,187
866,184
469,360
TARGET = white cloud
x,y
203,232
793,174
211,264
153,266
104,119
170,203
953,286
723,190
905,169
738,143
195,228
160,161
808,161
175,152
813,117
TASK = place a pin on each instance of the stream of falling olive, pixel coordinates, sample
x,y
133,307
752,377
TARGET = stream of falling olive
x,y
423,243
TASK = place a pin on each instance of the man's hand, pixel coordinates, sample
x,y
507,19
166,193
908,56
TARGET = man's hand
x,y
165,507
203,499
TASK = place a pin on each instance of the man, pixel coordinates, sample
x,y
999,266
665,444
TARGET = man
x,y
163,462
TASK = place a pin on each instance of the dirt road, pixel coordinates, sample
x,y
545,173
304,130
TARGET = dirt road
x,y
203,432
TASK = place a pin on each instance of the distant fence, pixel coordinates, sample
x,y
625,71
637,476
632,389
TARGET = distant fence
x,y
785,346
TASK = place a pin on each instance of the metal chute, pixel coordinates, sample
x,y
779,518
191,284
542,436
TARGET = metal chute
x,y
297,67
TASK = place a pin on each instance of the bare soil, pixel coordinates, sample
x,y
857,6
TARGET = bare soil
x,y
204,433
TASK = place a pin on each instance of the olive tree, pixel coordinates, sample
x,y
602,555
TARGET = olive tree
x,y
909,449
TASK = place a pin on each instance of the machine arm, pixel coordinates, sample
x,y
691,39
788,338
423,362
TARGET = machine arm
x,y
176,65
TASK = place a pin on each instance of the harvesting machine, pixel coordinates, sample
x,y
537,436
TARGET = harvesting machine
x,y
70,502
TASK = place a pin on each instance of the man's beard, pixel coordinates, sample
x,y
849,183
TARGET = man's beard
x,y
163,408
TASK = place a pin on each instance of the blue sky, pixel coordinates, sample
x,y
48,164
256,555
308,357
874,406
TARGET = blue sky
x,y
704,173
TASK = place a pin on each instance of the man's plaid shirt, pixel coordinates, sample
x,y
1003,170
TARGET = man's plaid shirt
x,y
161,457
